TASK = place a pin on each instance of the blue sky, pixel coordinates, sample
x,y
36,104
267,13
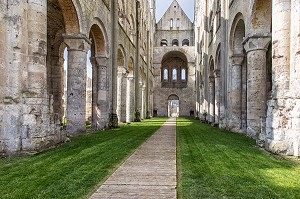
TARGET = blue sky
x,y
163,5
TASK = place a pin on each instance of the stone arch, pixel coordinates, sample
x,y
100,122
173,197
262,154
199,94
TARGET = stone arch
x,y
217,71
173,105
262,15
99,37
130,90
237,35
211,107
175,42
121,84
99,63
70,14
170,61
185,42
164,42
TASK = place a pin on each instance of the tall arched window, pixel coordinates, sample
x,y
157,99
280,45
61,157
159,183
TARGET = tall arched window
x,y
218,13
174,74
166,74
183,74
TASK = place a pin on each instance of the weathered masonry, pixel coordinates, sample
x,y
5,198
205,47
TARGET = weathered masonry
x,y
36,37
247,69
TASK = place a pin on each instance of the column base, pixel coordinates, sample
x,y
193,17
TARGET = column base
x,y
113,121
137,116
148,115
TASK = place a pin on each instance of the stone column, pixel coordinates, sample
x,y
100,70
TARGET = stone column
x,y
78,46
119,93
217,95
236,92
129,97
95,71
137,117
56,80
143,89
211,118
256,47
113,121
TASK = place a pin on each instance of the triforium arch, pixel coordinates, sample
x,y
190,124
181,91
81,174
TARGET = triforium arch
x,y
238,79
99,61
121,84
174,70
211,87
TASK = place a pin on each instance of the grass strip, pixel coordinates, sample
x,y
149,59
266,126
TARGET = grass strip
x,y
75,169
213,163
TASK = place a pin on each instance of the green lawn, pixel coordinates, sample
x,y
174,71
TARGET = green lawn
x,y
75,169
219,164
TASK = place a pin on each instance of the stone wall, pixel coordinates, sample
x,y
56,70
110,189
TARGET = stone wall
x,y
34,35
256,93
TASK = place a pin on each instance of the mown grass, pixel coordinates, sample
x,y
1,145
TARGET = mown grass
x,y
220,164
75,169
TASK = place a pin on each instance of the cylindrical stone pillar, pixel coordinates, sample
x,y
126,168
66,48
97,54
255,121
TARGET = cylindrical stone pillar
x,y
78,46
211,117
217,96
236,92
256,48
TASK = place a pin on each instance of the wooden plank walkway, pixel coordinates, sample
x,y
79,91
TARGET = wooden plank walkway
x,y
150,172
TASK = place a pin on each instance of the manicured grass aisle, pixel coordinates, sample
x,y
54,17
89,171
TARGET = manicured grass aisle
x,y
75,169
219,164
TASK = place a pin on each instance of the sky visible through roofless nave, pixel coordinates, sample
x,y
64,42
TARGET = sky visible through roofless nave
x,y
163,5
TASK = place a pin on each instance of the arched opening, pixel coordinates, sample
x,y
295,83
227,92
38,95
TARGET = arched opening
x,y
98,71
175,42
217,84
174,71
185,42
164,42
130,91
122,85
211,77
89,91
173,106
58,11
238,90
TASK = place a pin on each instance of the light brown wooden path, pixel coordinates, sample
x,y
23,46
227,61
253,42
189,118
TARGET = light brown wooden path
x,y
149,173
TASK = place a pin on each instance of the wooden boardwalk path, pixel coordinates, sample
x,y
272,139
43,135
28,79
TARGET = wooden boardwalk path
x,y
150,172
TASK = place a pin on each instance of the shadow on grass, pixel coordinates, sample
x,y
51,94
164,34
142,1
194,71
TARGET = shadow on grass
x,y
221,164
75,169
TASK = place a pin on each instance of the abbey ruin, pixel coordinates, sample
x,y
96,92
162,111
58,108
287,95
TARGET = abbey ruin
x,y
236,67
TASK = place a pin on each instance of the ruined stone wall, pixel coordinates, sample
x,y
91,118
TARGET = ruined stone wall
x,y
34,35
252,60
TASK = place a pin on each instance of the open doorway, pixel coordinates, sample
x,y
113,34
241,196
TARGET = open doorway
x,y
173,106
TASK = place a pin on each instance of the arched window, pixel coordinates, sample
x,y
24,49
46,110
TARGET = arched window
x,y
185,42
183,74
175,42
174,74
166,74
163,42
211,27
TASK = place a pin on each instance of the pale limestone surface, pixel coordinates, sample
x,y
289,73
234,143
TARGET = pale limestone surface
x,y
150,172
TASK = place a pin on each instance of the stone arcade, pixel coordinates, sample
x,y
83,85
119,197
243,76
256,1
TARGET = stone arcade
x,y
235,66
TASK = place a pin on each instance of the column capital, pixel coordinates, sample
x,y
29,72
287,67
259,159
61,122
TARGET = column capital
x,y
237,59
99,61
77,42
258,41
